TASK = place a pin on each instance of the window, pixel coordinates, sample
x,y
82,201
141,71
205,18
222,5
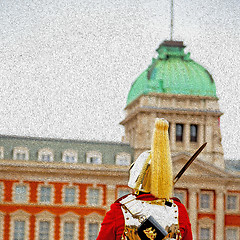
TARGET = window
x,y
181,195
70,195
20,194
179,132
19,230
68,230
204,201
232,234
193,132
45,155
19,225
44,226
1,191
94,157
94,196
204,233
44,230
20,153
122,192
93,229
70,156
123,159
232,202
45,194
69,226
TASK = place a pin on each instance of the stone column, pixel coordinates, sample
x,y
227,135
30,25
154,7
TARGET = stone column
x,y
172,136
201,134
219,214
110,195
193,211
186,136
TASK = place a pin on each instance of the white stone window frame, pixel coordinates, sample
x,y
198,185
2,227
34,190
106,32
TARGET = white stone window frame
x,y
27,192
1,152
184,192
76,194
45,151
123,156
94,154
92,218
206,223
71,153
100,200
20,150
232,228
51,195
123,189
69,217
45,216
1,224
1,192
211,201
20,215
237,202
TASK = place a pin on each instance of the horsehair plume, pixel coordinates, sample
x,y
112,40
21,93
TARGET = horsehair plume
x,y
161,164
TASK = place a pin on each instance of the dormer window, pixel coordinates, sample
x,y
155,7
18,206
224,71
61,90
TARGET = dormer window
x,y
193,132
1,153
45,155
179,132
69,156
20,153
123,159
94,158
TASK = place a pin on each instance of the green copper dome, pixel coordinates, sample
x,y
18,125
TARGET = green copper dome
x,y
173,72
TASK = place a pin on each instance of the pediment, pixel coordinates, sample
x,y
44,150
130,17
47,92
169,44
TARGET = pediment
x,y
199,168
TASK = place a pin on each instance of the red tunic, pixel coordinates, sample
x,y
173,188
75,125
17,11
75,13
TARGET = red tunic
x,y
113,224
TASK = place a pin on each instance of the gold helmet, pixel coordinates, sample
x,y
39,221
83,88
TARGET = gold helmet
x,y
152,171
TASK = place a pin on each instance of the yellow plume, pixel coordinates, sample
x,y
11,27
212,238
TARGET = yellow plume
x,y
161,164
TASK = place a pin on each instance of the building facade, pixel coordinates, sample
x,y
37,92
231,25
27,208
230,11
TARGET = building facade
x,y
62,189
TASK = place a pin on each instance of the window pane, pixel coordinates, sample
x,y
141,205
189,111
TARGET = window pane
x,y
123,192
21,156
93,231
179,132
45,194
70,159
193,133
231,234
44,228
95,160
19,230
68,231
231,202
205,234
180,196
205,201
46,157
94,196
20,194
70,195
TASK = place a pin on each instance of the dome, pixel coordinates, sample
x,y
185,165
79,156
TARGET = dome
x,y
173,72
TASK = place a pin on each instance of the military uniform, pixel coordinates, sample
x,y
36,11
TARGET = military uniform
x,y
114,223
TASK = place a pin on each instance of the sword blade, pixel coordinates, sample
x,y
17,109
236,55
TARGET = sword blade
x,y
189,162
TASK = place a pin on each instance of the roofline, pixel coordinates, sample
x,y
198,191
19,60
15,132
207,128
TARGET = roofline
x,y
62,140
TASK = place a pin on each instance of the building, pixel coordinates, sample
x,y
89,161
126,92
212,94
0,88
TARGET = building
x,y
61,189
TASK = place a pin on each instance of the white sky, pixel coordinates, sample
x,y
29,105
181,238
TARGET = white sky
x,y
66,66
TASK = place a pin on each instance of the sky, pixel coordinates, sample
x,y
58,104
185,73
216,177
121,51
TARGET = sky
x,y
66,66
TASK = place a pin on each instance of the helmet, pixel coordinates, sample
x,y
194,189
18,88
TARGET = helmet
x,y
152,171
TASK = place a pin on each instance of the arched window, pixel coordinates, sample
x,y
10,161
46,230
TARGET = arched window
x,y
45,155
179,132
70,156
193,132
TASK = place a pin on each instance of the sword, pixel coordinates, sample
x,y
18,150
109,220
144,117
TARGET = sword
x,y
189,162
